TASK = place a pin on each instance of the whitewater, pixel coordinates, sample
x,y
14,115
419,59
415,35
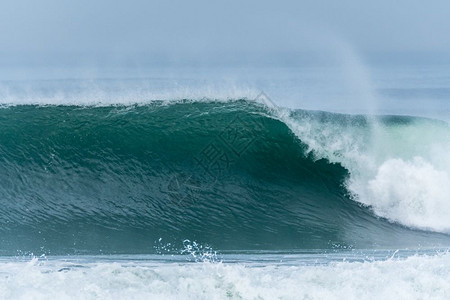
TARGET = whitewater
x,y
260,277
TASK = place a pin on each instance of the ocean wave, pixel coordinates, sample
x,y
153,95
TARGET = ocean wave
x,y
235,174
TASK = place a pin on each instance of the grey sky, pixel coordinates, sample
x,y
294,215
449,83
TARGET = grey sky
x,y
177,29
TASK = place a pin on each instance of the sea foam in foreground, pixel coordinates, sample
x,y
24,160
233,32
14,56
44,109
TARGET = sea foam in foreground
x,y
302,277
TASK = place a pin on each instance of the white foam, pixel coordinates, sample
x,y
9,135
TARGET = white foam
x,y
417,277
413,193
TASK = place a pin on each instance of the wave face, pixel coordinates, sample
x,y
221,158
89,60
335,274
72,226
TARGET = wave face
x,y
234,175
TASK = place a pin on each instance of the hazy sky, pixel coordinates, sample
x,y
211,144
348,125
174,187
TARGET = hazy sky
x,y
56,30
344,41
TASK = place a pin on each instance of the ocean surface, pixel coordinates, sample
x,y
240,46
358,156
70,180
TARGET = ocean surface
x,y
272,185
